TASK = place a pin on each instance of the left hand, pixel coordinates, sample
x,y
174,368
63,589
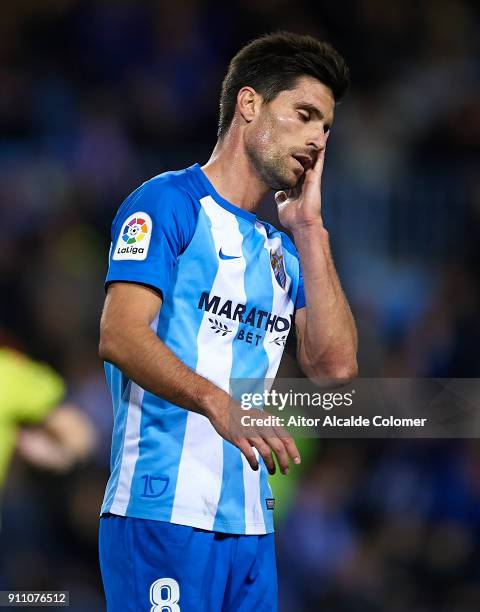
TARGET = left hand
x,y
301,206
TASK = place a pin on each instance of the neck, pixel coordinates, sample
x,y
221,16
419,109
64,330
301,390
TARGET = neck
x,y
231,172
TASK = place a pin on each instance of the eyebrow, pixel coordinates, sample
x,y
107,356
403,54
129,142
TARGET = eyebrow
x,y
312,109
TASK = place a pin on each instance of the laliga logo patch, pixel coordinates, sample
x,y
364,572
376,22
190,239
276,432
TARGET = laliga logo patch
x,y
276,259
134,240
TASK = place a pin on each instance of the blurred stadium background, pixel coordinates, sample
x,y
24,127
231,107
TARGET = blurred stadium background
x,y
97,96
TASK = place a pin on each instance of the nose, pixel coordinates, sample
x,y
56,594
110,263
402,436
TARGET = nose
x,y
318,139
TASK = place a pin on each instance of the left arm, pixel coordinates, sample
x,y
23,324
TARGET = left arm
x,y
326,333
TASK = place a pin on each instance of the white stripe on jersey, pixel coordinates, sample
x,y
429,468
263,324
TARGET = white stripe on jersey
x,y
130,450
251,479
254,521
200,472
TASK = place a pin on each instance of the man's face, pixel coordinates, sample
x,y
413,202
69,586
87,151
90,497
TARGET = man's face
x,y
284,139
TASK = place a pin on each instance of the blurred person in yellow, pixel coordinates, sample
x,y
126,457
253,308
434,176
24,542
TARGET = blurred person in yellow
x,y
30,390
31,393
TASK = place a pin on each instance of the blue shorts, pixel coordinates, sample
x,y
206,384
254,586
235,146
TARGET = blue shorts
x,y
154,566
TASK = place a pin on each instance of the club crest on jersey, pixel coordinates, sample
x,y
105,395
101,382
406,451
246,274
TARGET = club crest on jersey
x,y
134,238
276,260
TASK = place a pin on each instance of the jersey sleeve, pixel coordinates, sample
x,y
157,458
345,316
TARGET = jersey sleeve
x,y
152,228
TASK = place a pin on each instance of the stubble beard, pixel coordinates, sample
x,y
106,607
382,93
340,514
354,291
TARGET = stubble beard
x,y
272,169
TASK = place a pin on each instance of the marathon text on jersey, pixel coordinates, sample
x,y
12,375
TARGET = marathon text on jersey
x,y
261,319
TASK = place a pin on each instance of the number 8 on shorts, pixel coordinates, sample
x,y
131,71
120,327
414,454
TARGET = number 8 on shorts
x,y
164,595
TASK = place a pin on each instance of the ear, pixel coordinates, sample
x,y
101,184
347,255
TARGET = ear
x,y
248,103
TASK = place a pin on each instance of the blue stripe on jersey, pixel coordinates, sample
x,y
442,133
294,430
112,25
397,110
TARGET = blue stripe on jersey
x,y
266,493
292,264
231,505
120,392
293,270
163,424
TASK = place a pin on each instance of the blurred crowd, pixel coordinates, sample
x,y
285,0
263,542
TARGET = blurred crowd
x,y
98,96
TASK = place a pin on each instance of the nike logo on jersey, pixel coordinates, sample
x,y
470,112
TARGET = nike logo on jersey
x,y
222,255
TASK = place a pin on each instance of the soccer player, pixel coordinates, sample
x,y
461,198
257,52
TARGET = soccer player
x,y
201,292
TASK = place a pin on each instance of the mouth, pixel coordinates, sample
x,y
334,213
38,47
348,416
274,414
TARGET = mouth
x,y
305,161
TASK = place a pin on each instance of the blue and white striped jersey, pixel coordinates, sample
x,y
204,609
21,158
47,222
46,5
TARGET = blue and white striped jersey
x,y
229,284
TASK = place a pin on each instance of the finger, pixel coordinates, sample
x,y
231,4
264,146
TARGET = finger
x,y
317,168
276,444
291,447
248,451
289,444
313,178
264,450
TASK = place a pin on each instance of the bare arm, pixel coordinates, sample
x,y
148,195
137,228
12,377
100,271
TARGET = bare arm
x,y
127,340
326,333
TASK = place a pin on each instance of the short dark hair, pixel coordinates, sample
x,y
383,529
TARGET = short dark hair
x,y
273,63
